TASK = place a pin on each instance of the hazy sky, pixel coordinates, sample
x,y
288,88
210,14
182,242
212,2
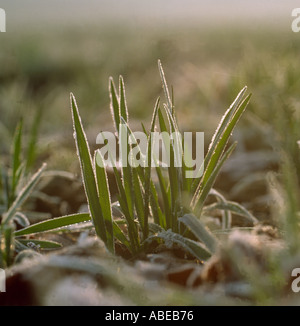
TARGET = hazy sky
x,y
142,11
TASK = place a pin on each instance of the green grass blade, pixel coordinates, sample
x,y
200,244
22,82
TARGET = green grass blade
x,y
122,97
199,201
177,150
17,146
87,172
135,189
226,214
220,146
21,219
147,199
118,233
114,104
158,216
5,187
235,108
170,238
155,228
162,123
232,207
165,88
173,176
32,146
16,159
139,201
6,248
154,204
165,197
200,231
23,195
223,140
54,223
186,182
132,231
127,172
104,198
126,211
224,122
176,154
40,244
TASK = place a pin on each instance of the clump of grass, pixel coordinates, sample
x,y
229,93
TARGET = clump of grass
x,y
175,221
16,187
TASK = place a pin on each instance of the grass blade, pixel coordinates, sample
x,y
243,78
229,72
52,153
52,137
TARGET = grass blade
x,y
122,98
135,191
7,241
224,122
158,216
23,195
132,231
165,197
87,172
200,231
148,169
220,147
156,211
139,202
40,244
32,146
21,219
16,159
226,214
5,188
170,238
173,177
126,169
216,147
114,104
54,223
165,88
199,201
104,198
232,207
118,233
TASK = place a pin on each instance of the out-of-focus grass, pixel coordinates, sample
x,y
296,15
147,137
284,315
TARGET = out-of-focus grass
x,y
207,66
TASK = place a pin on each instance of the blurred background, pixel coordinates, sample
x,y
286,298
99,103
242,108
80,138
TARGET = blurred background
x,y
209,50
134,11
